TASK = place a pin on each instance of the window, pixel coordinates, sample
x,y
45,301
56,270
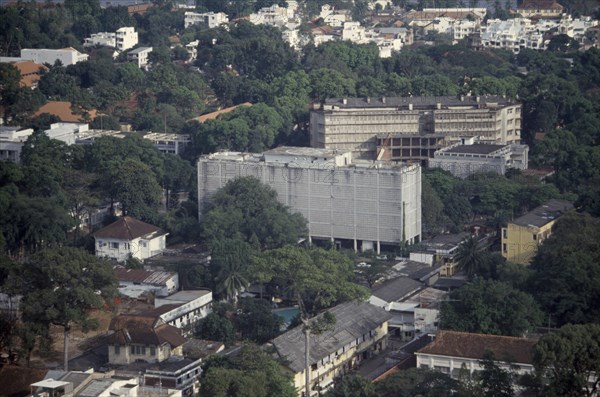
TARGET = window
x,y
152,351
504,233
504,249
114,246
117,350
535,237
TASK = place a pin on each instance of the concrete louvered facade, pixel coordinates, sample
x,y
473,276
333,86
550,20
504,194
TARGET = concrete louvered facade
x,y
362,203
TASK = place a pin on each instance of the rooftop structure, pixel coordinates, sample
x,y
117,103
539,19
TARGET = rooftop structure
x,y
30,73
353,124
66,132
363,203
169,143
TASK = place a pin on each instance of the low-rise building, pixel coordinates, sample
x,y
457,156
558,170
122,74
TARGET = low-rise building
x,y
139,56
453,352
360,331
540,9
175,373
66,56
522,237
127,238
142,338
464,160
66,132
209,19
169,143
123,39
184,309
135,282
12,140
440,250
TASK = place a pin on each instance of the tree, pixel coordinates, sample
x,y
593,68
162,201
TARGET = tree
x,y
135,187
416,382
490,307
495,381
215,327
177,177
353,386
570,359
316,278
62,286
257,322
471,257
252,373
566,279
248,210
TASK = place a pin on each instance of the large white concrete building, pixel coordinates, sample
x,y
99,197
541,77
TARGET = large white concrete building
x,y
363,204
67,56
123,39
353,124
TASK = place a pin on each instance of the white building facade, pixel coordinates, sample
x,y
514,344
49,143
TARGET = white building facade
x,y
363,202
192,307
210,19
12,140
67,56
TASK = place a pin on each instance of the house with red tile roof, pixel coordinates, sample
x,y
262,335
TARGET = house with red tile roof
x,y
142,338
66,112
127,238
30,73
453,351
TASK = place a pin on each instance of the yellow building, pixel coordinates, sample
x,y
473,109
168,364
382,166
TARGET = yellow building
x,y
521,237
360,331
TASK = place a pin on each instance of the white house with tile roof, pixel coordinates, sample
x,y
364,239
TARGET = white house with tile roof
x,y
128,237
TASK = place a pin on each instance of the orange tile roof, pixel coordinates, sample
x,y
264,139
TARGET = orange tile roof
x,y
214,115
63,111
468,345
30,72
128,228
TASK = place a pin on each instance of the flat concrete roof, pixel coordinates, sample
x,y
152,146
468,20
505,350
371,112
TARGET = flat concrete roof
x,y
303,151
544,213
476,148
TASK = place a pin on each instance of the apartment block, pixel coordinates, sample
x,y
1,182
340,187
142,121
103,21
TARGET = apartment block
x,y
210,19
354,124
522,237
362,204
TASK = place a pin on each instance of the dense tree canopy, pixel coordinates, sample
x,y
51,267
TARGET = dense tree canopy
x,y
490,307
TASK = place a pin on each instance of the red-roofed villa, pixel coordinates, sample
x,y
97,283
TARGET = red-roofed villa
x,y
129,237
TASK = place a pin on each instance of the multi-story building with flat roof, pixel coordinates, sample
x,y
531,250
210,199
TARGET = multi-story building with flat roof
x,y
522,237
464,160
210,19
353,124
66,56
362,202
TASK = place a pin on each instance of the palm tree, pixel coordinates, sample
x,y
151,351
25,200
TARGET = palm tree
x,y
231,280
471,256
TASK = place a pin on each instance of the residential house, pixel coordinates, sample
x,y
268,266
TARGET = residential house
x,y
464,160
136,282
522,237
169,143
452,352
123,39
360,331
142,338
127,238
12,140
334,18
139,56
66,56
184,309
